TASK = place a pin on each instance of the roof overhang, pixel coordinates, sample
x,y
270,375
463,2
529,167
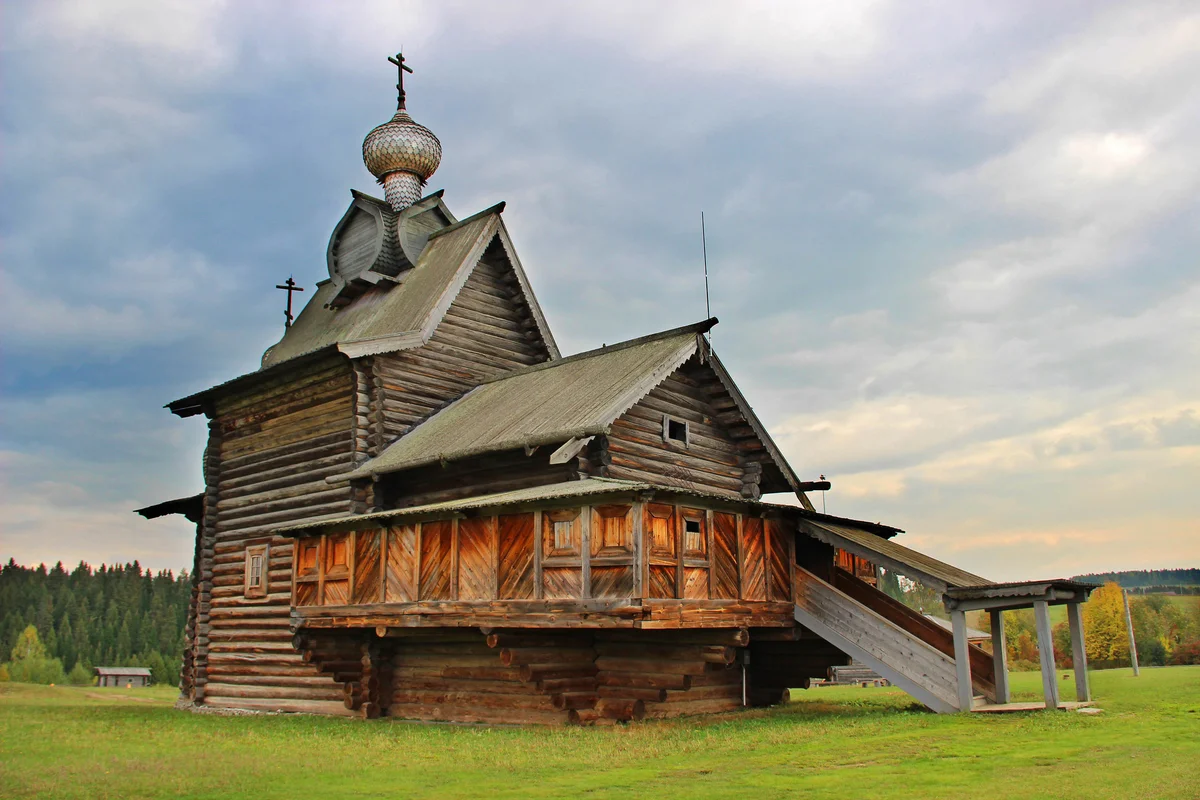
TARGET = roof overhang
x,y
191,507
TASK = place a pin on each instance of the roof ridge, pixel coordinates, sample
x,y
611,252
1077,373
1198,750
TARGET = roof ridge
x,y
496,209
695,327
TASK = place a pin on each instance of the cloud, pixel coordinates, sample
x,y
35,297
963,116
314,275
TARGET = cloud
x,y
952,247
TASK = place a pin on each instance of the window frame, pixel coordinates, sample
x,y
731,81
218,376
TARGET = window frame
x,y
667,422
260,551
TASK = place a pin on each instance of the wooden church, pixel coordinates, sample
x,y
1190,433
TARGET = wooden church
x,y
419,508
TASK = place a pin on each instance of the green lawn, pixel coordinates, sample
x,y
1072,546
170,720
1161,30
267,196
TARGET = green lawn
x,y
837,742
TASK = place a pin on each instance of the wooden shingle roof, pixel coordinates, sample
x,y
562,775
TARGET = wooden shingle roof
x,y
544,404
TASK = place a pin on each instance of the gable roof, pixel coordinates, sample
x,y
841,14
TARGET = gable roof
x,y
387,317
394,315
543,404
557,401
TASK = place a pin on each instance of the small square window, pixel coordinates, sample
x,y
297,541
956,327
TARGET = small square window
x,y
691,532
675,430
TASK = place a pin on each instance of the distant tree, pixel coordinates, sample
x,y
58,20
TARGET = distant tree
x,y
889,585
1187,653
1026,648
4,676
29,662
1062,645
79,675
1104,624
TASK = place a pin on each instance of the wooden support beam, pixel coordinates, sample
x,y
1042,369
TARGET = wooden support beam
x,y
1041,612
962,661
1133,655
1078,652
1000,656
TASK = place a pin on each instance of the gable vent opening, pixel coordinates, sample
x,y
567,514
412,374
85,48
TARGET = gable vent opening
x,y
675,430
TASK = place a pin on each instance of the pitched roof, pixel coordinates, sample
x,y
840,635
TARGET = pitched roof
x,y
543,404
585,487
142,671
393,316
387,316
865,543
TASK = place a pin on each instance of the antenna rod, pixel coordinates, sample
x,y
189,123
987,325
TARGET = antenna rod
x,y
704,249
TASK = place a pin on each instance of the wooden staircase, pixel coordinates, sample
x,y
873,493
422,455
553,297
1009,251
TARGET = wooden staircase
x,y
898,643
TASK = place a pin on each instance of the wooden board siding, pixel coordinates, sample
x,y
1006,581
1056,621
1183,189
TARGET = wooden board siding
x,y
477,559
661,549
270,450
436,562
778,562
487,330
754,577
516,556
401,568
710,461
725,556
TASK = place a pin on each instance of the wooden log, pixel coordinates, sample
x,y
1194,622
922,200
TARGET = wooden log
x,y
768,696
623,710
644,680
537,672
532,639
631,693
582,716
729,637
545,655
675,709
568,700
644,665
555,685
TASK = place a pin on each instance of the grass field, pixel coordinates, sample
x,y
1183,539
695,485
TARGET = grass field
x,y
836,742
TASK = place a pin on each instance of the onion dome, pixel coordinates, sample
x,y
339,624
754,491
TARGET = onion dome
x,y
401,153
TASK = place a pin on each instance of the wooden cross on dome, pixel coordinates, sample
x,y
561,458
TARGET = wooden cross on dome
x,y
401,68
289,286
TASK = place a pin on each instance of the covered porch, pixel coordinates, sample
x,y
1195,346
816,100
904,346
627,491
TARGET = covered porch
x,y
961,592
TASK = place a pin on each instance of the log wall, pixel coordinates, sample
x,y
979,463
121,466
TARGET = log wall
x,y
722,454
557,677
488,329
269,453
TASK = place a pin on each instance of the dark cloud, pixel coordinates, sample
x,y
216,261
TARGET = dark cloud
x,y
944,243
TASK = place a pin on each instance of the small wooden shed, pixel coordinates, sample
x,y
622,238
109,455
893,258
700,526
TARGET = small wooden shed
x,y
122,677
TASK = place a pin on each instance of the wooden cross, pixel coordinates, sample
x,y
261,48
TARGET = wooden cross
x,y
289,286
401,68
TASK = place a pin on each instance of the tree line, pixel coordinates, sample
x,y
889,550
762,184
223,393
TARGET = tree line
x,y
118,616
1182,581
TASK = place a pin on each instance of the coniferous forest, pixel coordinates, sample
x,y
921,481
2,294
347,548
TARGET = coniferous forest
x,y
110,616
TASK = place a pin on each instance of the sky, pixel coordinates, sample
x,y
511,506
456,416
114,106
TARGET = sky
x,y
952,245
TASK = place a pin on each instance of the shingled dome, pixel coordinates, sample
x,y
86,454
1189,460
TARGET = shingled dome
x,y
402,155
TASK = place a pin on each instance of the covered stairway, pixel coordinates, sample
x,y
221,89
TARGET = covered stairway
x,y
939,668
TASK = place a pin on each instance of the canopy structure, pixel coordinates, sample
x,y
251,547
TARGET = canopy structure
x,y
963,591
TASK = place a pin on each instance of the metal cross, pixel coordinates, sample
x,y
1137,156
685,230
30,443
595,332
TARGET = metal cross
x,y
401,68
289,286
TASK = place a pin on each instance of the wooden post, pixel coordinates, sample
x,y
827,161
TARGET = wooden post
x,y
962,660
1000,656
1041,612
1078,652
1133,659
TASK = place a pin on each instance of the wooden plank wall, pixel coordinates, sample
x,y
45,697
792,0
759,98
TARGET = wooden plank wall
x,y
269,454
588,552
487,330
711,461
